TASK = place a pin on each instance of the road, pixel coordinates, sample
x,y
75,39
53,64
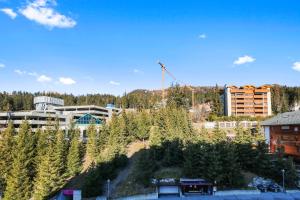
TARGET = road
x,y
263,196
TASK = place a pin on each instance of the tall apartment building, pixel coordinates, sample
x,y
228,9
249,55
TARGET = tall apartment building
x,y
247,100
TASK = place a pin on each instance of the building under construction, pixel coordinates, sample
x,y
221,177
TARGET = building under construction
x,y
247,100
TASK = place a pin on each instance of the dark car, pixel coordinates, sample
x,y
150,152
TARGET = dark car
x,y
274,187
262,188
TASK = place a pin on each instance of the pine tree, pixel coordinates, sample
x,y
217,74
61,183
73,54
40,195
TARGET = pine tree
x,y
155,136
41,146
74,164
92,147
51,171
19,185
143,126
60,161
6,153
218,135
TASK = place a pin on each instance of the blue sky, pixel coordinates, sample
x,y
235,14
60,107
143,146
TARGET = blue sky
x,y
112,46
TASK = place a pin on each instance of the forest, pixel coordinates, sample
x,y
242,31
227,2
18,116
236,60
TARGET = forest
x,y
38,164
283,98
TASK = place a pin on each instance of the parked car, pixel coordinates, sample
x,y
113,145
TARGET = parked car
x,y
262,187
274,187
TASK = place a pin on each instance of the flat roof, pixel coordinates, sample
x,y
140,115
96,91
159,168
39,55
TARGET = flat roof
x,y
83,106
31,113
249,87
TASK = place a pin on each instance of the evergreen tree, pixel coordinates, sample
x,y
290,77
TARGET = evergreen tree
x,y
19,185
177,98
155,136
59,159
51,170
41,147
143,126
219,135
74,164
6,153
92,147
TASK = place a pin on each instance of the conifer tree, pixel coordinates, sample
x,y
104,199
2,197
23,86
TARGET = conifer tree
x,y
218,135
6,153
74,164
60,159
19,185
155,136
51,170
92,147
143,126
41,146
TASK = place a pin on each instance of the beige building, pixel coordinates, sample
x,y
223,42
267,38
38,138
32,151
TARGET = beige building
x,y
247,100
49,110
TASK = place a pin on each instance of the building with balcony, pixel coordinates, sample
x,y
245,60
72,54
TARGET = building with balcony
x,y
49,111
282,132
247,100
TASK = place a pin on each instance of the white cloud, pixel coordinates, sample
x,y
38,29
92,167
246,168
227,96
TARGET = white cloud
x,y
2,65
66,81
202,36
40,78
32,74
20,72
137,71
44,78
243,60
114,83
296,66
9,12
42,12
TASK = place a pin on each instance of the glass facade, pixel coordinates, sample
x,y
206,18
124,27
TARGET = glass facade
x,y
88,119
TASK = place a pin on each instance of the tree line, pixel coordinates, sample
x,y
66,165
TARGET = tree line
x,y
283,98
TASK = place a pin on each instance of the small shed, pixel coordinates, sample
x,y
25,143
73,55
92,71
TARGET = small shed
x,y
196,186
167,187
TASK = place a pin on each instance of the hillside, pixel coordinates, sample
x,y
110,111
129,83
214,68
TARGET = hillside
x,y
283,98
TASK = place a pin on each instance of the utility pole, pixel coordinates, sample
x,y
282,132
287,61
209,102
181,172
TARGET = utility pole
x,y
283,185
108,189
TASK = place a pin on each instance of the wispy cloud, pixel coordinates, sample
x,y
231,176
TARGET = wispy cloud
x,y
33,74
243,60
2,65
138,71
43,12
66,81
40,78
44,78
20,72
114,83
23,72
296,66
202,36
9,12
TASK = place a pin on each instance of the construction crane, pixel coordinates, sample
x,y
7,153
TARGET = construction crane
x,y
163,71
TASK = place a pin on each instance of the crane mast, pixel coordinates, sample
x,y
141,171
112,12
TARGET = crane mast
x,y
163,71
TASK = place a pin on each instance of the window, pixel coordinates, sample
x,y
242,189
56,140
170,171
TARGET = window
x,y
285,127
88,119
296,129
